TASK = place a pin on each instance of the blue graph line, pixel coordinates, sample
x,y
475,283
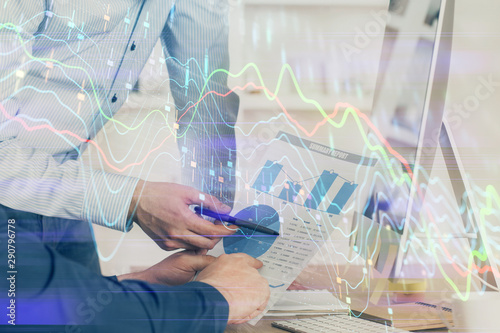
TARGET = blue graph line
x,y
280,285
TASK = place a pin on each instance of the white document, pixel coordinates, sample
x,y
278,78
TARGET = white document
x,y
301,189
309,302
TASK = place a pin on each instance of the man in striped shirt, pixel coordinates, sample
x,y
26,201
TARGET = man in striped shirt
x,y
67,67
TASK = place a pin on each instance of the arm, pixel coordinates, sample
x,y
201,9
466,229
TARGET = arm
x,y
51,290
196,38
30,174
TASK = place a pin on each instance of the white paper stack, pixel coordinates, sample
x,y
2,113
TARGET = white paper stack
x,y
307,302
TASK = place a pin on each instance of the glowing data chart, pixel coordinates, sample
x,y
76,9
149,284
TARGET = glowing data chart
x,y
252,242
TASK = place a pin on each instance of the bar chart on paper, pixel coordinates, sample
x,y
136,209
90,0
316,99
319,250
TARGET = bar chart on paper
x,y
296,191
275,181
298,188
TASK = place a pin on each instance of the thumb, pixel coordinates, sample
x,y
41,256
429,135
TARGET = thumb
x,y
211,202
200,251
200,262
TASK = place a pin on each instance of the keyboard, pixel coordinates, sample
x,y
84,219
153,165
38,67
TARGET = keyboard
x,y
339,323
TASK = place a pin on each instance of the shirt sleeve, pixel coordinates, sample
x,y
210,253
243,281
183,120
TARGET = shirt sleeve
x,y
31,179
196,40
52,290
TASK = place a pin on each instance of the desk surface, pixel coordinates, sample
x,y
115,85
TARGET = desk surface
x,y
373,299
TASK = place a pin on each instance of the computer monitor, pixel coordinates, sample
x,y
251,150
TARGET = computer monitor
x,y
409,108
430,123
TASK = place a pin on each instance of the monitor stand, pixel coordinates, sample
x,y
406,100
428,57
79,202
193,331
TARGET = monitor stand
x,y
474,231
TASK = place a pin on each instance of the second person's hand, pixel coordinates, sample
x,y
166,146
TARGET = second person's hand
x,y
178,268
237,278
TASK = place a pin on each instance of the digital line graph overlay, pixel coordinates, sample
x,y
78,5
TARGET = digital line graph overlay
x,y
290,191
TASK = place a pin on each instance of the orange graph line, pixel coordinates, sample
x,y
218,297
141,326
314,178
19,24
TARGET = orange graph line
x,y
50,128
294,121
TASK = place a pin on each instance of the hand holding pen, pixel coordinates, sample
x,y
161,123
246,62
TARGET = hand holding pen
x,y
250,225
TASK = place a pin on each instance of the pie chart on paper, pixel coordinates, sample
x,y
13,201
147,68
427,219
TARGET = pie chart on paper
x,y
251,242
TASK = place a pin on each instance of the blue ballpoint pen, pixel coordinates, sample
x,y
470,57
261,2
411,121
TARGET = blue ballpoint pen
x,y
236,221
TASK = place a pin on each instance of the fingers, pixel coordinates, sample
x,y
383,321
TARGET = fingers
x,y
203,227
237,279
171,245
231,227
200,262
245,258
259,310
188,240
199,234
201,252
197,242
252,262
254,314
208,201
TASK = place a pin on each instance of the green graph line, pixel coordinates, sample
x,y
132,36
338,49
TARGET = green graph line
x,y
492,196
286,67
349,110
16,29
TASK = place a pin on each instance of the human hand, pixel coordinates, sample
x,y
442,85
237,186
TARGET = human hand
x,y
236,277
177,269
162,211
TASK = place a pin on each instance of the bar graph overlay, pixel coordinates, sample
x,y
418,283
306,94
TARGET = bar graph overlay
x,y
267,176
341,198
291,189
319,191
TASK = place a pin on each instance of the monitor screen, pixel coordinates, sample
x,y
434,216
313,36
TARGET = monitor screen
x,y
408,112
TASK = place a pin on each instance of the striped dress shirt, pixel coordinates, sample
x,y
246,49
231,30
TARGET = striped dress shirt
x,y
67,66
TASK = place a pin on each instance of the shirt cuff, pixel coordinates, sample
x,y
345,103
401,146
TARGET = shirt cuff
x,y
107,199
201,302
